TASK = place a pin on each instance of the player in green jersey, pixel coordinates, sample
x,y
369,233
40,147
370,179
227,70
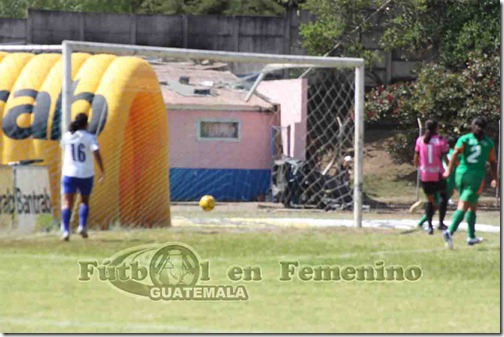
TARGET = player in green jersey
x,y
474,150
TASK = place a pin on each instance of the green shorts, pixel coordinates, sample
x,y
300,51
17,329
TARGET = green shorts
x,y
469,186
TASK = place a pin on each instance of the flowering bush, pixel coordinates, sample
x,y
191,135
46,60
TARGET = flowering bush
x,y
452,98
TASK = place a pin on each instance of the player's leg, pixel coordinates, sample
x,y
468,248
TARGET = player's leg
x,y
85,189
443,204
68,189
423,219
465,185
468,186
457,218
458,215
429,211
471,218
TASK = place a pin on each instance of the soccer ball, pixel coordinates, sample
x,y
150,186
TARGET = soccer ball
x,y
207,202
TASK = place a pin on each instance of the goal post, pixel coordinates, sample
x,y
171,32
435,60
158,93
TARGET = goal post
x,y
317,120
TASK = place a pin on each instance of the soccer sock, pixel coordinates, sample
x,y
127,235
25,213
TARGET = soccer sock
x,y
66,214
422,219
443,205
471,224
429,210
457,218
83,215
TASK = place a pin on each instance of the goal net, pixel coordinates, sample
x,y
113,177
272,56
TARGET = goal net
x,y
175,124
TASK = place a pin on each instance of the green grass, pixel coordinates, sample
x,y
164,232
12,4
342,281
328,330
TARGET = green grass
x,y
458,292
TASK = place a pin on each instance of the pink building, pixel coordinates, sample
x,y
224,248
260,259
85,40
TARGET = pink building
x,y
220,144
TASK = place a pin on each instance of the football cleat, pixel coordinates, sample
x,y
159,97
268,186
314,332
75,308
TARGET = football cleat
x,y
83,232
474,241
65,236
430,230
442,227
448,239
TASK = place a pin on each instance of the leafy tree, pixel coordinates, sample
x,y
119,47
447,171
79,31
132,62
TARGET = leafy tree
x,y
290,3
442,30
195,7
432,30
12,9
339,28
453,98
458,41
18,8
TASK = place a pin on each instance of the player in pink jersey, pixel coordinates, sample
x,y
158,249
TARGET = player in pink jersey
x,y
430,149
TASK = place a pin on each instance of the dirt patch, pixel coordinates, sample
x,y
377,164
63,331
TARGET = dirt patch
x,y
378,162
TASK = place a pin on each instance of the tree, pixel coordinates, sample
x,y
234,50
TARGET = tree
x,y
443,30
18,8
12,9
290,3
453,98
430,30
459,42
255,7
339,29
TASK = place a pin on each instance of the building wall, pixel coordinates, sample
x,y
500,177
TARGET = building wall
x,y
228,170
12,31
292,95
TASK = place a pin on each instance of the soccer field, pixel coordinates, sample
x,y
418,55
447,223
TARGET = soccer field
x,y
458,290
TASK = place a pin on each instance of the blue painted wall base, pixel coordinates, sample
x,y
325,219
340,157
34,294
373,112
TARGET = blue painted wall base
x,y
188,184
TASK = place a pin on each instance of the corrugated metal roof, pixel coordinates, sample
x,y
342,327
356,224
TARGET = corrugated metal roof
x,y
223,94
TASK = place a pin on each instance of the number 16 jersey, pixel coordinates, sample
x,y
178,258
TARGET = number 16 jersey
x,y
78,159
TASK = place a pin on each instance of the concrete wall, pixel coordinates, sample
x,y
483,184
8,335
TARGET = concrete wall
x,y
276,35
13,31
228,170
232,33
252,151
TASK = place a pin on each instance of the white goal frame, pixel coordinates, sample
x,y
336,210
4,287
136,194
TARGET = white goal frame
x,y
67,47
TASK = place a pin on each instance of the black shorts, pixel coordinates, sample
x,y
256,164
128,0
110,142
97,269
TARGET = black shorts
x,y
431,187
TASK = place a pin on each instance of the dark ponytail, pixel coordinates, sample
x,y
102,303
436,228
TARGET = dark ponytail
x,y
80,123
478,126
430,130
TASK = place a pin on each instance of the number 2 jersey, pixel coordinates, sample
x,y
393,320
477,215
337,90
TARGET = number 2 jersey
x,y
475,154
430,157
78,159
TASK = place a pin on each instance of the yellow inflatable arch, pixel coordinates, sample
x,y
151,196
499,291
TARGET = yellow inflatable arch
x,y
125,107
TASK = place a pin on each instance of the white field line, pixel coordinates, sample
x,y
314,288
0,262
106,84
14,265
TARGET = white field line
x,y
313,223
30,322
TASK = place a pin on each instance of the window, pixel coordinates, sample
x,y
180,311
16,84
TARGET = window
x,y
219,130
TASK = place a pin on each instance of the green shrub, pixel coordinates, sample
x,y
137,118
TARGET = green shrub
x,y
452,98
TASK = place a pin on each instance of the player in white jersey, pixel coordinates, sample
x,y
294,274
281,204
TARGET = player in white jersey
x,y
79,148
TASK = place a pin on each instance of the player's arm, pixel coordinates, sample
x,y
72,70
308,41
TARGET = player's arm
x,y
415,159
97,155
99,161
493,168
453,160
